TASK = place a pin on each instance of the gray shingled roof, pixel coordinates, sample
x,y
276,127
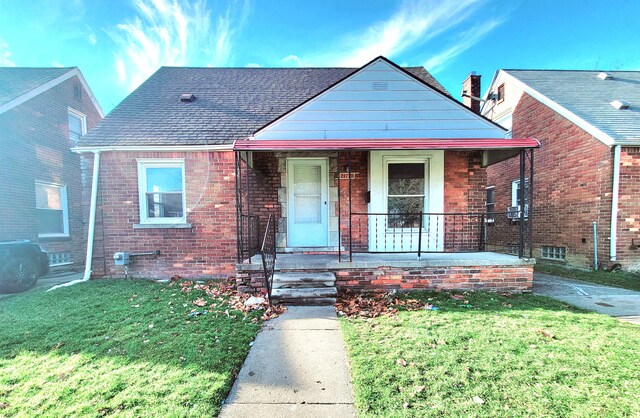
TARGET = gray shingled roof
x,y
585,95
231,104
16,81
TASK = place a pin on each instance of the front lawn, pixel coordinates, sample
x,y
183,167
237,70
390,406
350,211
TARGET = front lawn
x,y
622,279
126,347
483,354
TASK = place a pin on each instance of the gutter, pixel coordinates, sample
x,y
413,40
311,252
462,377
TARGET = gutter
x,y
154,148
613,239
92,224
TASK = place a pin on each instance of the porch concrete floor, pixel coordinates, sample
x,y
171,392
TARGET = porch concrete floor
x,y
372,260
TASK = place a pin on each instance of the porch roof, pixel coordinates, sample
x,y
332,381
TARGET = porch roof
x,y
387,144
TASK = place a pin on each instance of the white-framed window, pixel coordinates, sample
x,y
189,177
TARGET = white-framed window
x,y
52,211
406,192
553,253
161,187
517,203
77,125
490,203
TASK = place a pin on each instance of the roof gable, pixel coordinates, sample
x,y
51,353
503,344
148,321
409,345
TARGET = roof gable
x,y
230,104
585,99
380,100
19,84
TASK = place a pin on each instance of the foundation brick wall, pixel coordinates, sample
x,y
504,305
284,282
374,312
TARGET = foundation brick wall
x,y
207,249
572,183
502,278
36,147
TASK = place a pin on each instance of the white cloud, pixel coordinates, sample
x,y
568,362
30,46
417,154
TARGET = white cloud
x,y
414,23
292,59
57,64
465,41
253,65
5,55
92,39
174,32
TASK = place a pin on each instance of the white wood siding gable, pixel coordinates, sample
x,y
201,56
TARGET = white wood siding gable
x,y
380,101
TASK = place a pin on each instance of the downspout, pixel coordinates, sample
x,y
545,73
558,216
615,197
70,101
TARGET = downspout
x,y
92,223
613,239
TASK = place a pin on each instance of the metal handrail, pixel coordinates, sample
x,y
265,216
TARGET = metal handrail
x,y
268,254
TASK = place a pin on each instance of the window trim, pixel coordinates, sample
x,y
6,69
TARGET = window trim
x,y
143,164
83,122
489,219
426,160
64,206
499,97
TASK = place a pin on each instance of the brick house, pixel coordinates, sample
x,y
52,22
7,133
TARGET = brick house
x,y
588,166
373,175
43,113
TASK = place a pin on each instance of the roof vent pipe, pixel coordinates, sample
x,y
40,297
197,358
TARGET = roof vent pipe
x,y
605,76
187,97
620,104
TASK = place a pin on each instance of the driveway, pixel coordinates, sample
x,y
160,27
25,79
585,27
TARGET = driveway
x,y
48,281
620,303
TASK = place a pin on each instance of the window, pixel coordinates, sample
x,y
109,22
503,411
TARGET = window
x,y
77,125
162,197
500,93
514,212
554,253
51,208
490,203
59,259
405,194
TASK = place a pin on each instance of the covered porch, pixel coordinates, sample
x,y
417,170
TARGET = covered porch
x,y
415,209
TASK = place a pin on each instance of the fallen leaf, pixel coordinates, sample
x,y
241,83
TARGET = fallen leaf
x,y
419,389
401,362
478,400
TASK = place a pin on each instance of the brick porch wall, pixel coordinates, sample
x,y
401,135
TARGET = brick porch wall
x,y
499,278
207,249
572,183
35,147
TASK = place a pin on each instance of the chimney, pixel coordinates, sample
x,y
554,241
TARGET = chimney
x,y
471,92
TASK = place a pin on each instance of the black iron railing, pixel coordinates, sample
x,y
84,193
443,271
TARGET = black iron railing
x,y
268,253
434,232
249,237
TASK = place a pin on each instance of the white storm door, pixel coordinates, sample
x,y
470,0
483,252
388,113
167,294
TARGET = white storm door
x,y
307,200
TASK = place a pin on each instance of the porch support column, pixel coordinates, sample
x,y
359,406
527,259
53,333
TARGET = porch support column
x,y
238,206
350,220
521,205
531,203
339,213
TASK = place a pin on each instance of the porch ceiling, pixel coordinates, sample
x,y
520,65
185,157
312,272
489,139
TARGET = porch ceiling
x,y
466,144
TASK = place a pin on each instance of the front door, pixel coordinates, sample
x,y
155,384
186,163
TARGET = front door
x,y
307,200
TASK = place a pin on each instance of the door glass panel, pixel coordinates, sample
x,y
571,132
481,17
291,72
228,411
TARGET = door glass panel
x,y
405,194
406,179
307,194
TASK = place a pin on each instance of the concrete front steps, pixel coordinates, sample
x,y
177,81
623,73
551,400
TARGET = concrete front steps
x,y
297,288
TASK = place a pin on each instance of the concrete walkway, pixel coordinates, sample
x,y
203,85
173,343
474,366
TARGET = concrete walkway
x,y
297,367
620,303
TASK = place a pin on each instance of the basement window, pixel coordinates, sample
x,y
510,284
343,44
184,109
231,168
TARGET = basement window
x,y
60,259
553,253
161,187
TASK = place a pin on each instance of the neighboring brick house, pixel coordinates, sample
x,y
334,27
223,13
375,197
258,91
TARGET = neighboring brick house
x,y
588,166
378,159
43,113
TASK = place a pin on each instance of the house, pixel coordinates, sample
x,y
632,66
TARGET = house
x,y
374,175
587,182
43,113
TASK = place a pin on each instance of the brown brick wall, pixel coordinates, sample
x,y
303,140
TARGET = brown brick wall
x,y
207,249
498,278
572,183
629,209
35,147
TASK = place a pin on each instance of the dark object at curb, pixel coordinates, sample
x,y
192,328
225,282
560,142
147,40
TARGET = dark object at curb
x,y
21,264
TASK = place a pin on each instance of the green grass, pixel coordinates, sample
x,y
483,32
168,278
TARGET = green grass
x,y
520,356
622,279
125,347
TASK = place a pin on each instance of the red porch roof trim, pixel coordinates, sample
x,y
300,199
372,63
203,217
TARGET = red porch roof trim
x,y
386,144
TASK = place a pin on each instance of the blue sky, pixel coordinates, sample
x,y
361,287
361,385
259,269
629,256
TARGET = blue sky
x,y
118,44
